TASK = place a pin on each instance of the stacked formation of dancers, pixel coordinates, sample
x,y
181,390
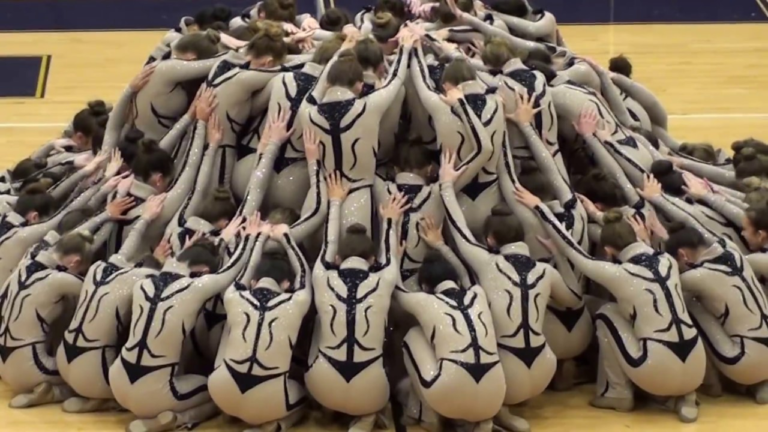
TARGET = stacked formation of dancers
x,y
434,204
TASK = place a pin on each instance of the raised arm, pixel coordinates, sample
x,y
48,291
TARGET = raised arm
x,y
471,166
518,44
476,255
181,70
391,216
612,96
544,27
381,98
523,117
698,189
249,272
432,234
174,136
644,97
315,208
152,208
119,115
428,96
709,172
297,259
337,192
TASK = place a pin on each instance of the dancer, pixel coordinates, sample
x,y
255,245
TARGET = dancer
x,y
164,307
253,382
346,371
511,279
646,338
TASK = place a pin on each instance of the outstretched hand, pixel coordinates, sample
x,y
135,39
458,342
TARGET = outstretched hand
x,y
651,187
395,207
431,232
448,172
525,197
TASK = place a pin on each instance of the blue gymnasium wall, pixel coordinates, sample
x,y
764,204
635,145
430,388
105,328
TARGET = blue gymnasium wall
x,y
30,15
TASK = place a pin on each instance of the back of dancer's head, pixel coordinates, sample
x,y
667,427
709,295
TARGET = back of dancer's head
x,y
219,208
649,136
446,16
283,216
497,52
394,7
346,72
35,203
325,52
275,266
541,67
213,16
74,251
357,243
267,48
414,158
84,127
737,146
684,243
152,164
201,258
620,65
385,26
129,145
704,152
279,10
671,180
26,168
334,20
502,227
533,179
369,54
457,72
617,233
601,189
751,164
755,227
434,270
73,219
515,8
198,46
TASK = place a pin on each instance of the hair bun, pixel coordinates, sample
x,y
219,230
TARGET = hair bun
x,y
221,194
97,108
620,65
213,35
381,19
528,166
273,32
675,226
612,216
684,148
133,136
38,188
748,154
148,145
357,229
662,168
501,210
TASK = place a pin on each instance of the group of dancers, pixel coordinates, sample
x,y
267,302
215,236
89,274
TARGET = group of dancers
x,y
434,204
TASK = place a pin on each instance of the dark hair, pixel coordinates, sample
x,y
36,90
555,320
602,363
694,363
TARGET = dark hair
x,y
26,168
503,226
649,136
218,206
203,45
84,123
73,219
279,10
151,159
385,26
275,267
203,252
394,7
620,65
751,164
43,182
601,189
356,243
434,270
758,217
35,198
97,140
345,71
533,179
208,17
535,65
369,54
515,8
704,152
757,145
541,56
283,215
671,180
334,19
617,232
412,157
268,42
681,236
325,52
129,145
458,71
446,16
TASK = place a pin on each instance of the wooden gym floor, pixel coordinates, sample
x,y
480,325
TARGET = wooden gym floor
x,y
712,79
